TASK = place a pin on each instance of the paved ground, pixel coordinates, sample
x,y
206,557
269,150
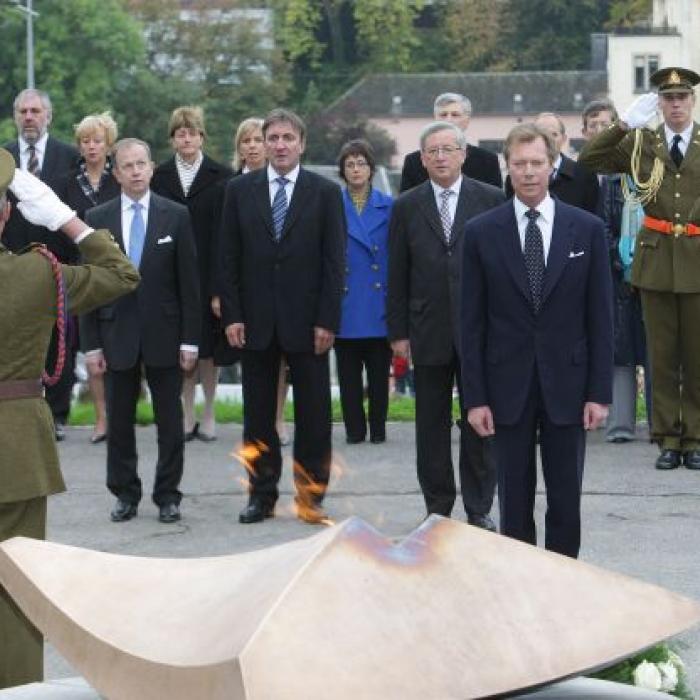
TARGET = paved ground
x,y
637,520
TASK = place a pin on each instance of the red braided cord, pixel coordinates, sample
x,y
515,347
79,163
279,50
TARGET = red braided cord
x,y
50,380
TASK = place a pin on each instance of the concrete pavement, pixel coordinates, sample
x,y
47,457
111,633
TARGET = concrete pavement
x,y
636,520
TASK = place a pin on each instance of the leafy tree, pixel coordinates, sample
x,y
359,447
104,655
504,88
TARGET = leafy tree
x,y
627,13
81,49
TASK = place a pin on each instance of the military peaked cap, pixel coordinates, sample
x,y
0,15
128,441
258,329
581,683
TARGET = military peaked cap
x,y
674,80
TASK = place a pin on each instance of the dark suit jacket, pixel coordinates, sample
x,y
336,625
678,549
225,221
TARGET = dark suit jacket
x,y
151,323
59,158
70,192
568,344
574,184
289,287
479,164
424,272
204,202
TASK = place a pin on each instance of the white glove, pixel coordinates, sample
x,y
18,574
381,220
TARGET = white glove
x,y
38,203
641,111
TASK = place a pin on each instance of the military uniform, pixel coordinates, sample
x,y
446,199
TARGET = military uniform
x,y
29,469
666,268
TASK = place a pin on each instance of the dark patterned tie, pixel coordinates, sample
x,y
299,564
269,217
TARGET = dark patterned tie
x,y
676,153
279,206
534,258
445,217
33,162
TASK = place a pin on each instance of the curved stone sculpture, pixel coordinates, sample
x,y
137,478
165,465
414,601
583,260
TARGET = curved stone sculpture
x,y
451,612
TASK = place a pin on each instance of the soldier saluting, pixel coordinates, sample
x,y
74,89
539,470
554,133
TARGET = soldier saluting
x,y
665,166
29,288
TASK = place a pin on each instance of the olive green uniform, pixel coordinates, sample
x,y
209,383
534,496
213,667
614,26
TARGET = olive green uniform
x,y
29,469
666,268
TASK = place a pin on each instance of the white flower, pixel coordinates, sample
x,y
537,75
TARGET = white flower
x,y
669,676
647,675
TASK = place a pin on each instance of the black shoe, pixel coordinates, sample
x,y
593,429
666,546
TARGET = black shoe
x,y
59,431
192,434
311,513
485,522
669,459
378,439
354,440
169,513
123,511
691,459
256,511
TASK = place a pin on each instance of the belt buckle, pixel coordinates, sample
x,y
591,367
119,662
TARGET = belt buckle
x,y
678,229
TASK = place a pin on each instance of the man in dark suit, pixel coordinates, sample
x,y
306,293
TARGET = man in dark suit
x,y
425,243
537,341
570,182
49,160
157,326
479,164
283,245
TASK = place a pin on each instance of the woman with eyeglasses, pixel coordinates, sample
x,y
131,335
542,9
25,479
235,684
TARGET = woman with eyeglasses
x,y
361,343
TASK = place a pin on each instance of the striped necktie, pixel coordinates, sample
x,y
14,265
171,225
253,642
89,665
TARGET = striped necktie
x,y
279,207
33,162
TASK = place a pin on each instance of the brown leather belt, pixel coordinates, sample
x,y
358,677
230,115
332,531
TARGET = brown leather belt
x,y
670,228
21,389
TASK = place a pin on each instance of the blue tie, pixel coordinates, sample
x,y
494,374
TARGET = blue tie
x,y
137,235
279,207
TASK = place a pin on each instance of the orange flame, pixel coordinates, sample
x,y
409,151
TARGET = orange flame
x,y
247,453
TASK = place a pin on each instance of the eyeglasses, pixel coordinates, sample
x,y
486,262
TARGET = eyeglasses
x,y
350,164
444,150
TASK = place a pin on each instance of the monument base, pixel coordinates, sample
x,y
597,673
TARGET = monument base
x,y
577,688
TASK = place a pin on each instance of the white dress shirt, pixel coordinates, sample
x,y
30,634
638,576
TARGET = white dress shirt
x,y
128,216
545,221
452,201
291,176
39,148
685,137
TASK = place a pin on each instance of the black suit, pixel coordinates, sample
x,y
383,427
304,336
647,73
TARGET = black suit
x,y
281,291
59,158
536,371
204,201
423,306
147,327
573,184
479,164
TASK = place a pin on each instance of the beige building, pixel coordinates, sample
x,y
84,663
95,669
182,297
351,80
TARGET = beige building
x,y
670,39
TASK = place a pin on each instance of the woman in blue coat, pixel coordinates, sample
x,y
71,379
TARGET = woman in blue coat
x,y
362,340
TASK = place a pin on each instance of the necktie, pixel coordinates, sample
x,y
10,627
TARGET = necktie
x,y
676,153
534,257
445,217
33,162
137,235
279,207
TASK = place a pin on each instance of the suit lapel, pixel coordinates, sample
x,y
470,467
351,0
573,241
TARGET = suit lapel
x,y
115,222
172,182
465,210
261,194
302,190
152,227
358,224
49,156
428,206
559,249
508,238
205,175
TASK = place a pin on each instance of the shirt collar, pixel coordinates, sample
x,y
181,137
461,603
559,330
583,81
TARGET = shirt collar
x,y
455,187
39,146
545,208
182,163
292,175
685,134
557,164
144,201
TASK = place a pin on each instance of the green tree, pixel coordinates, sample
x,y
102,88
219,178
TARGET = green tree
x,y
627,13
81,49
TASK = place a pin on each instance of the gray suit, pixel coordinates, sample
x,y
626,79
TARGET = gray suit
x,y
423,306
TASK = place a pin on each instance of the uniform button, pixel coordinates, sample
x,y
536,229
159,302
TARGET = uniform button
x,y
677,215
346,290
678,176
377,285
678,194
375,267
375,248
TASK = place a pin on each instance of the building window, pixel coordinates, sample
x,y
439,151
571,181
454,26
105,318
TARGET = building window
x,y
644,66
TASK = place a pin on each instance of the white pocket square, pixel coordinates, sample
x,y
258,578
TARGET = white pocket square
x,y
577,255
165,239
